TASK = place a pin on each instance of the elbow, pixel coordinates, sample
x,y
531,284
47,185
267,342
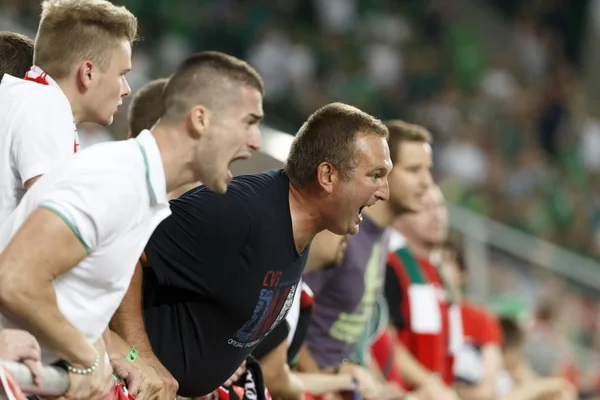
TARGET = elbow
x,y
14,291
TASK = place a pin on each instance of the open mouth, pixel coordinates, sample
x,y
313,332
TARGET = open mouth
x,y
359,214
238,158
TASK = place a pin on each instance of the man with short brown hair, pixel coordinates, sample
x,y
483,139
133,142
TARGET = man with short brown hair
x,y
345,298
222,271
16,54
82,53
330,132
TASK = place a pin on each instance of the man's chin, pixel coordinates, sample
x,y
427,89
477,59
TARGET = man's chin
x,y
219,187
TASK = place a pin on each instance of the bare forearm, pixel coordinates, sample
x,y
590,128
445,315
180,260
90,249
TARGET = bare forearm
x,y
306,363
533,390
33,303
411,370
286,386
477,392
128,321
318,384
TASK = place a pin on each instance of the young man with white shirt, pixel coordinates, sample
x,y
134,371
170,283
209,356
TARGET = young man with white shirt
x,y
82,53
68,251
16,54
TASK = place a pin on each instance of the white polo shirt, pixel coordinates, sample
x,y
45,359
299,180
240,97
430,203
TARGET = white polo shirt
x,y
37,131
112,196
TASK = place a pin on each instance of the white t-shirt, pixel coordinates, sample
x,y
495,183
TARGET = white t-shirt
x,y
112,196
37,132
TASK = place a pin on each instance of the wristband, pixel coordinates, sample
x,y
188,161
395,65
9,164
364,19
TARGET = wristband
x,y
132,355
85,371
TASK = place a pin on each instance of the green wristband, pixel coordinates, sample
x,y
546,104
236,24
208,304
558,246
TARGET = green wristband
x,y
132,355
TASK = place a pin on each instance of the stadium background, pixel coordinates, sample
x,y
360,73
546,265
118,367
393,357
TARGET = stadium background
x,y
507,87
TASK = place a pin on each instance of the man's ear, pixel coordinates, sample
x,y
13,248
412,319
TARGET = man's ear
x,y
86,73
326,176
198,119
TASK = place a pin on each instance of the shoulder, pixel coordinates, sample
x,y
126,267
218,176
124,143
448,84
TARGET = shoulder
x,y
264,184
36,102
115,168
247,191
26,93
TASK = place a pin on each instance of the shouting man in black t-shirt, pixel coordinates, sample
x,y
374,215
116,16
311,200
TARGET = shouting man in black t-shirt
x,y
222,271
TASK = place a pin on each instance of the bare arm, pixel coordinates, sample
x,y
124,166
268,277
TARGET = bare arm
x,y
128,326
411,370
318,384
43,249
128,321
540,389
277,375
306,363
492,365
428,385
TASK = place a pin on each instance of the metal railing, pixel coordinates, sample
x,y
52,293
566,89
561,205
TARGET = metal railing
x,y
54,380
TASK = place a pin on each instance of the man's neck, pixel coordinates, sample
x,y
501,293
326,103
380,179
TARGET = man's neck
x,y
418,248
176,157
306,218
381,213
72,95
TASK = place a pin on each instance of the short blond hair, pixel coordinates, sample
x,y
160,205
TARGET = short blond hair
x,y
72,31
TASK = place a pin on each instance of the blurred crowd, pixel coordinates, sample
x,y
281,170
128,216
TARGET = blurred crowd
x,y
514,137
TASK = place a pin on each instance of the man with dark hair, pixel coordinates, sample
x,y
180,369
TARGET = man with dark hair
x,y
146,106
16,54
221,273
345,297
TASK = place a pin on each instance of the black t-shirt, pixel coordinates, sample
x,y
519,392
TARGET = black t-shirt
x,y
280,333
224,270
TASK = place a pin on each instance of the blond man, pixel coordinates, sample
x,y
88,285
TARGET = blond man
x,y
82,53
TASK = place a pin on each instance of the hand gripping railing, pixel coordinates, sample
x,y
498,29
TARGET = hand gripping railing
x,y
54,380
